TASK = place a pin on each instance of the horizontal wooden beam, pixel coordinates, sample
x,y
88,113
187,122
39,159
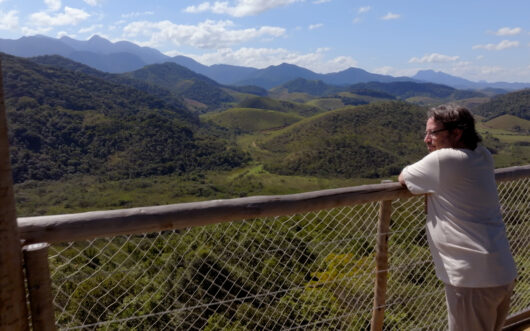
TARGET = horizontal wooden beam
x,y
89,225
512,173
518,321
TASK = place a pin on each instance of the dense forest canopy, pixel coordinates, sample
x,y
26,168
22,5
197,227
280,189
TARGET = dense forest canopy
x,y
343,143
64,122
514,103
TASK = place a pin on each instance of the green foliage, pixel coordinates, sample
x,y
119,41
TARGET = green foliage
x,y
245,120
312,87
63,122
64,63
404,90
250,89
418,93
515,103
509,123
278,105
342,142
182,82
356,89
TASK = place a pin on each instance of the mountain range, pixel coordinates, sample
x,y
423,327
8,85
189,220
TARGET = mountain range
x,y
66,118
123,56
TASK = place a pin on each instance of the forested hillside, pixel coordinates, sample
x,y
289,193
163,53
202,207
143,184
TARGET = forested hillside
x,y
154,90
363,141
183,82
279,105
515,103
405,90
64,122
243,120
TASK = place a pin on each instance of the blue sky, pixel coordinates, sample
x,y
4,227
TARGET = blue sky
x,y
478,40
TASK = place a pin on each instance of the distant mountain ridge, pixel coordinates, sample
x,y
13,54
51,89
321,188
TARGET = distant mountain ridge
x,y
461,83
124,56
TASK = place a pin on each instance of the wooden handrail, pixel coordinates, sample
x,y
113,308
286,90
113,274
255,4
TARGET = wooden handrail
x,y
89,225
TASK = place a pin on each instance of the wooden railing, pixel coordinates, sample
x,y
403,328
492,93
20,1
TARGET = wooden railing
x,y
89,225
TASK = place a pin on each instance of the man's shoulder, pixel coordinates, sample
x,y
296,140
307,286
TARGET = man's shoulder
x,y
453,154
461,153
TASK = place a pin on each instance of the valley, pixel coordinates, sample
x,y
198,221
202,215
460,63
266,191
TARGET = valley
x,y
83,139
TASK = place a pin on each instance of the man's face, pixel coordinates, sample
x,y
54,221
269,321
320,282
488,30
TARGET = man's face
x,y
437,137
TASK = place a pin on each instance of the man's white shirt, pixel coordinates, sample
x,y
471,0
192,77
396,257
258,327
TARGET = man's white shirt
x,y
465,230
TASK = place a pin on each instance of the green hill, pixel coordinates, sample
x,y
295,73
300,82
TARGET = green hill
x,y
405,90
515,103
246,120
509,122
327,103
64,122
184,83
64,63
363,141
279,105
312,87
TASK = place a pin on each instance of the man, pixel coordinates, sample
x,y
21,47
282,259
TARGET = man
x,y
465,230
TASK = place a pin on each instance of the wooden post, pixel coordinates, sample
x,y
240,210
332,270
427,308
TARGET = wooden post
x,y
381,266
13,310
39,287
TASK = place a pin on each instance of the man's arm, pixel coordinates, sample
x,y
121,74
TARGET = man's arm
x,y
401,180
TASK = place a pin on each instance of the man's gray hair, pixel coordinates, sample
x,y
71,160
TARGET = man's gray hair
x,y
453,116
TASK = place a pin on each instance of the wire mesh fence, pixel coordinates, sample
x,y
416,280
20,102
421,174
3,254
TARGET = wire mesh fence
x,y
305,271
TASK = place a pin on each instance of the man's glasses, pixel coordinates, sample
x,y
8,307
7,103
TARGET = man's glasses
x,y
434,132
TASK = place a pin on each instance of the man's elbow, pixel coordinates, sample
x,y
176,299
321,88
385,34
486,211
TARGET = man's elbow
x,y
401,179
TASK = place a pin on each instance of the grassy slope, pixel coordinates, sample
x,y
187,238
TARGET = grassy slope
x,y
280,105
510,147
346,142
86,193
251,119
509,123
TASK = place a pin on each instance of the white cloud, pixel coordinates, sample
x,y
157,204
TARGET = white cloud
x,y
240,8
61,34
93,3
35,31
137,14
434,58
364,9
71,16
508,32
207,34
53,5
9,20
91,28
317,2
498,47
315,26
390,16
488,70
264,57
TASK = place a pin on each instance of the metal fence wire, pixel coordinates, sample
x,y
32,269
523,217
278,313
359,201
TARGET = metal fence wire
x,y
305,271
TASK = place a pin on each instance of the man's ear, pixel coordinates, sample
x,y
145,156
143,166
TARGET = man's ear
x,y
456,135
